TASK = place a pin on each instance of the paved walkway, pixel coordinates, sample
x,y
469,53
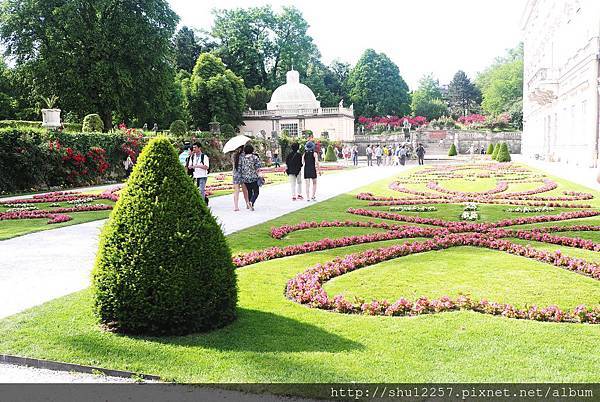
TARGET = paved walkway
x,y
42,266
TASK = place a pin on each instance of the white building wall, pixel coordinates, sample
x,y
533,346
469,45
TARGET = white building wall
x,y
338,128
560,97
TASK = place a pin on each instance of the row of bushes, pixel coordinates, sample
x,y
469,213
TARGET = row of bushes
x,y
498,152
34,158
71,127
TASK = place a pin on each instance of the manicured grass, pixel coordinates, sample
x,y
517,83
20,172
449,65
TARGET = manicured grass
x,y
472,271
277,340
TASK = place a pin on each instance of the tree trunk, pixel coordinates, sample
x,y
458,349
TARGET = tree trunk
x,y
106,116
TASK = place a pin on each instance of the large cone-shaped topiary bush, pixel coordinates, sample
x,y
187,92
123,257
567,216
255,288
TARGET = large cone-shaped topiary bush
x,y
490,149
163,266
452,150
330,155
503,154
496,150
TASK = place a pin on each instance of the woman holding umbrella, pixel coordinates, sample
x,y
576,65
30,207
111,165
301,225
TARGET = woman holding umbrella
x,y
236,144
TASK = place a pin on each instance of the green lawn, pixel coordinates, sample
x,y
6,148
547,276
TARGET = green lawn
x,y
277,340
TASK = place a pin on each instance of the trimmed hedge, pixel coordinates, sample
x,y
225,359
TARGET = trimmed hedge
x,y
496,150
33,159
163,266
503,155
71,127
330,155
30,160
178,128
452,150
490,149
92,123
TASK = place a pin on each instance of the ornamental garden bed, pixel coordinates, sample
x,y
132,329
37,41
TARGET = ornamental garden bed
x,y
410,295
62,208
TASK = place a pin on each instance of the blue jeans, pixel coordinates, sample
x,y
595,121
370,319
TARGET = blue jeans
x,y
201,182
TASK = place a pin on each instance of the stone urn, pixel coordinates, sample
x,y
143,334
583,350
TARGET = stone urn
x,y
51,118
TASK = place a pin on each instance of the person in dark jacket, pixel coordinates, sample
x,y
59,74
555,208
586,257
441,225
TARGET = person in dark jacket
x,y
420,151
310,160
293,164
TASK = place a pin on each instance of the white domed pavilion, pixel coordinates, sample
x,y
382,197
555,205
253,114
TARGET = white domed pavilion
x,y
295,108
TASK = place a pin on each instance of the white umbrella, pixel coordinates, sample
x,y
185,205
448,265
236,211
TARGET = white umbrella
x,y
235,143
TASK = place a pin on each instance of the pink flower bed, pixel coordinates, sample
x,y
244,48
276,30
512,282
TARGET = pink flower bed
x,y
306,288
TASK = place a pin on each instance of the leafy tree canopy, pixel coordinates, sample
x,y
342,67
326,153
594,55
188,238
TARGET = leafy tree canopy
x,y
97,57
376,86
261,45
427,99
214,92
463,95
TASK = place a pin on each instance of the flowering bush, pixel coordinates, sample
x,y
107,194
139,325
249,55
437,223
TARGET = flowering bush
x,y
471,119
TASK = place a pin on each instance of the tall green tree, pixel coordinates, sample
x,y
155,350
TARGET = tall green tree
x,y
257,97
101,56
463,95
376,86
215,92
501,84
7,101
261,45
189,43
427,99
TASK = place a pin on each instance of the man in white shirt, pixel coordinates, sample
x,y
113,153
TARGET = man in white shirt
x,y
200,163
369,155
378,154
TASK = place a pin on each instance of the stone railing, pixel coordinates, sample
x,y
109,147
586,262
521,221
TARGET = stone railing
x,y
300,112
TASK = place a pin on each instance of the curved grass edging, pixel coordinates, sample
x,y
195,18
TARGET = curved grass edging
x,y
70,367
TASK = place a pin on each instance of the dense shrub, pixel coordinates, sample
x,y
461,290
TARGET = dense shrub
x,y
163,266
452,150
227,130
71,127
177,128
330,155
33,158
496,150
92,123
490,149
503,154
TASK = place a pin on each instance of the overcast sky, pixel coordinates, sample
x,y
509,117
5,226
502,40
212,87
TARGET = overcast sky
x,y
420,36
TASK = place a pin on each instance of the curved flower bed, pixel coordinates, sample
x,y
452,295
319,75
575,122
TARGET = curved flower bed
x,y
500,187
306,288
57,215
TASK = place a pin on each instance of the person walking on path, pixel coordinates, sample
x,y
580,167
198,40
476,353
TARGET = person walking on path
x,y
249,165
420,151
199,162
310,160
276,159
355,155
293,164
369,155
238,185
378,154
403,154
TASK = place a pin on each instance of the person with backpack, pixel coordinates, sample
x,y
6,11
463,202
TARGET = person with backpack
x,y
403,154
293,164
198,165
249,166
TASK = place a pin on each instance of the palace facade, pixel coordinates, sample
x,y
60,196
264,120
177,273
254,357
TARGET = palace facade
x,y
295,109
561,107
